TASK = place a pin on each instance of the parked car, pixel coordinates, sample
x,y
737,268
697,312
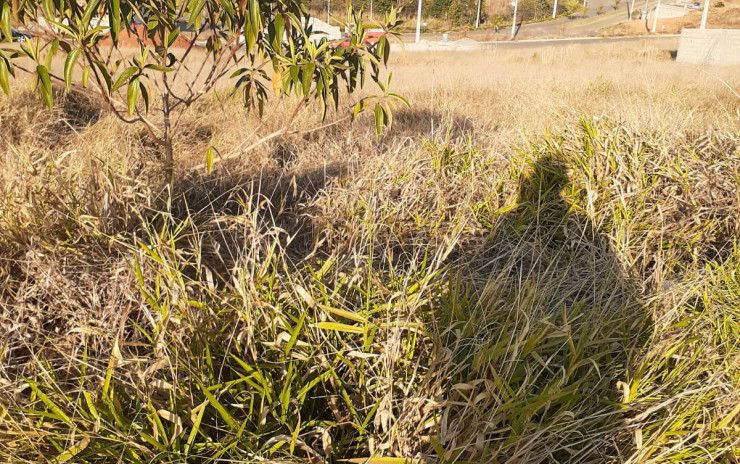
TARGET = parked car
x,y
18,36
696,6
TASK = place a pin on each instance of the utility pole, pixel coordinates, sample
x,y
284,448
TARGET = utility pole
x,y
418,24
554,9
704,15
477,18
632,8
513,20
371,9
328,12
657,13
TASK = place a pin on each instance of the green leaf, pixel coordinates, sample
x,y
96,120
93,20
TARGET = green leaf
x,y
133,95
173,36
47,6
72,451
338,327
85,76
145,97
400,98
221,410
69,65
209,159
115,20
106,75
45,82
49,403
379,118
343,313
157,67
90,9
4,77
5,22
308,78
124,77
194,430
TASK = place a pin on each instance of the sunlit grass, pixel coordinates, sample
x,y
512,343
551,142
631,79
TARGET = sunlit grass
x,y
496,291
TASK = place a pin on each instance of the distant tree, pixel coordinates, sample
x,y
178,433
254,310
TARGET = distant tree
x,y
573,7
496,21
535,9
263,45
462,11
437,8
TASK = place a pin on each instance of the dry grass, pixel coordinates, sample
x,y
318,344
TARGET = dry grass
x,y
551,275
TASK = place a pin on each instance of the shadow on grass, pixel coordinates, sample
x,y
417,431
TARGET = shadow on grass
x,y
554,329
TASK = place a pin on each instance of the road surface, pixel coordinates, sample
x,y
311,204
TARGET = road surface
x,y
599,14
663,40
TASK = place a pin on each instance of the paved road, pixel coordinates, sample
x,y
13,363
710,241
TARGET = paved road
x,y
665,40
599,14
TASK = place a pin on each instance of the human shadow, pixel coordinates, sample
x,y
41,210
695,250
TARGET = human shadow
x,y
558,321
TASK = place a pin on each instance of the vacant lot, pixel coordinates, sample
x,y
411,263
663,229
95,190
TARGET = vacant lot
x,y
538,263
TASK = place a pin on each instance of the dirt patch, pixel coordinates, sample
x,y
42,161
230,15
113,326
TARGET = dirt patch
x,y
720,17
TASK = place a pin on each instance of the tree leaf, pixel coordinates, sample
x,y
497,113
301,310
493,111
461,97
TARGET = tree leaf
x,y
133,95
92,5
124,77
115,20
157,67
69,65
106,75
45,81
85,76
5,22
308,78
379,119
4,77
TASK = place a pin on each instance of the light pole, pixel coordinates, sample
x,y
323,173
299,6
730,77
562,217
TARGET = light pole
x,y
371,9
704,15
418,23
554,9
657,13
328,12
632,8
477,17
513,20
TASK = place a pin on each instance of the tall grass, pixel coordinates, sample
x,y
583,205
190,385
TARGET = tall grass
x,y
540,280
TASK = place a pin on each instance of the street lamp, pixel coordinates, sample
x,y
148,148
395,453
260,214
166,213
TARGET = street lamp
x,y
515,4
418,24
657,14
704,15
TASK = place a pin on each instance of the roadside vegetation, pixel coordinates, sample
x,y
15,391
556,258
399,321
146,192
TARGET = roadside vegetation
x,y
538,262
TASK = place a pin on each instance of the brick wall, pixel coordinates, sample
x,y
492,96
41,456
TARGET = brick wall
x,y
711,46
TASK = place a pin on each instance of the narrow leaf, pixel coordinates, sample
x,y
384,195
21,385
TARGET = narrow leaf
x,y
45,81
69,65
